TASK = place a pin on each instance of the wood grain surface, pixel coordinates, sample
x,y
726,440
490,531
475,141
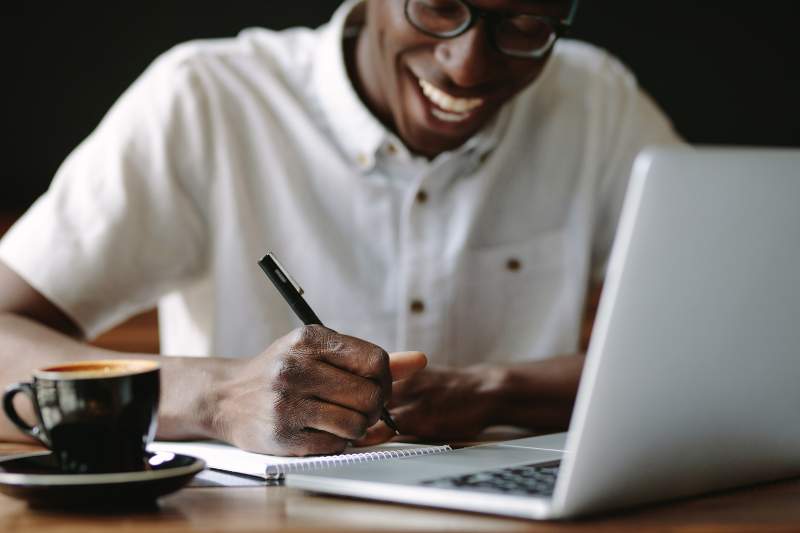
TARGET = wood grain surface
x,y
767,508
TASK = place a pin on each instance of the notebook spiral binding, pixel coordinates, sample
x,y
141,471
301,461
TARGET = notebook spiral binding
x,y
279,471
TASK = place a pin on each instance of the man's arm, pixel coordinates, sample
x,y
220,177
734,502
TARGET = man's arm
x,y
457,404
35,333
310,392
540,394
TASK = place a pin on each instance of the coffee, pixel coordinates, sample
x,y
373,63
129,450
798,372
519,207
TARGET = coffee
x,y
96,416
96,369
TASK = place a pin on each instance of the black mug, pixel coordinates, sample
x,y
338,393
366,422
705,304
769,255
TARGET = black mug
x,y
96,416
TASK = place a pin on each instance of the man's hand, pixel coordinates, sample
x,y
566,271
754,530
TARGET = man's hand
x,y
442,404
447,404
311,392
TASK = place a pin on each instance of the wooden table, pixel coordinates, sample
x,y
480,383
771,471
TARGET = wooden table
x,y
766,508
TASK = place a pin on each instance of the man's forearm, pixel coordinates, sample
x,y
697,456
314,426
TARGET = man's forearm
x,y
538,395
188,384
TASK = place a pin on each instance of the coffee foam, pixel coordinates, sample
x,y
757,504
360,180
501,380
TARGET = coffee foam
x,y
96,369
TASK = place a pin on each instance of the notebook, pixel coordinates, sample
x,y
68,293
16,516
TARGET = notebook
x,y
221,456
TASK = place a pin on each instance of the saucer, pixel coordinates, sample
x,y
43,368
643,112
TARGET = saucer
x,y
37,479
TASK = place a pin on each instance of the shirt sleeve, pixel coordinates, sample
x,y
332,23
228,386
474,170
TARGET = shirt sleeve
x,y
122,222
633,122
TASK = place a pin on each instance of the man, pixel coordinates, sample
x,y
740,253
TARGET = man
x,y
439,175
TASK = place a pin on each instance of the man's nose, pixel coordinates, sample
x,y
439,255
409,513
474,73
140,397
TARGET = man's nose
x,y
469,59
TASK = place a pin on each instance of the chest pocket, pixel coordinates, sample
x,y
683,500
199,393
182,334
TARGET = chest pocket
x,y
506,300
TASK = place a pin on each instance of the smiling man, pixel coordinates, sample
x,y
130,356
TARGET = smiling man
x,y
439,175
436,94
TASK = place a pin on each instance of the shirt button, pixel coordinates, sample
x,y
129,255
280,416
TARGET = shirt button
x,y
391,149
417,306
513,264
362,160
422,197
485,157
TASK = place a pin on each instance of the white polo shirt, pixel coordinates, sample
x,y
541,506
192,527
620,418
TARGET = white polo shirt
x,y
224,149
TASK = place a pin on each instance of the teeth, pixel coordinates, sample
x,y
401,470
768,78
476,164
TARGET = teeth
x,y
451,104
448,117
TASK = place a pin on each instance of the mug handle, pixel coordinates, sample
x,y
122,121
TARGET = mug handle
x,y
8,406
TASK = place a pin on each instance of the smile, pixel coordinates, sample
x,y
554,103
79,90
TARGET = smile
x,y
448,108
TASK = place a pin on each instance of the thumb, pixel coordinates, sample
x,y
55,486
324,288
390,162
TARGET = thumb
x,y
404,364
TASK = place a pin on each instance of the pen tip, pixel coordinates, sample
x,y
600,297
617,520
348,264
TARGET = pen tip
x,y
387,419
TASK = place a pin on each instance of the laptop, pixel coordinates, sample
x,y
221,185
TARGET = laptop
x,y
692,377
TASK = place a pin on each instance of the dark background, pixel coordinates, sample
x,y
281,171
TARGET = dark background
x,y
725,73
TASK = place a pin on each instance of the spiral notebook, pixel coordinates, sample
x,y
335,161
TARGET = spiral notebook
x,y
220,456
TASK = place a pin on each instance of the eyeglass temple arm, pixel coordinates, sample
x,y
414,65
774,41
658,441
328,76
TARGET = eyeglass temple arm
x,y
571,16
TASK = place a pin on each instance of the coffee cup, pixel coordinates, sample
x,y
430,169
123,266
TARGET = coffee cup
x,y
95,416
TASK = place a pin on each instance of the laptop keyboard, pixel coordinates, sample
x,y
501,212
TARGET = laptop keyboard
x,y
538,479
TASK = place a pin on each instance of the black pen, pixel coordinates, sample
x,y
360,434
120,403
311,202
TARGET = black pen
x,y
293,295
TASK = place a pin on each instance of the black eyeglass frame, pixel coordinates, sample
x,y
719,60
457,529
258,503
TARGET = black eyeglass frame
x,y
560,28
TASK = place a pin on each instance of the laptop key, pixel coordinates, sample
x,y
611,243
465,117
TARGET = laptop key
x,y
538,479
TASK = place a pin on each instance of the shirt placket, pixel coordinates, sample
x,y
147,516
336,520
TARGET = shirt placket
x,y
425,271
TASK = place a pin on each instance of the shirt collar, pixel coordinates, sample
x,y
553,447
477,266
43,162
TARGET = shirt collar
x,y
359,133
354,127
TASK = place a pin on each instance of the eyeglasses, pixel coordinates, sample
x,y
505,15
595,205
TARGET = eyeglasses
x,y
521,35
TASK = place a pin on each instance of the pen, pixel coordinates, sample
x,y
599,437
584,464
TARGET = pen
x,y
293,294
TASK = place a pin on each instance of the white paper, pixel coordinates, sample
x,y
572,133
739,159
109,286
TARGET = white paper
x,y
223,456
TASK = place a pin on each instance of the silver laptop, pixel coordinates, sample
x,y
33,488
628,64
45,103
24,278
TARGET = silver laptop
x,y
692,378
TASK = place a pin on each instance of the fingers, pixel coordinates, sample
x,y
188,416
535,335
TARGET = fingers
x,y
330,388
375,434
405,391
343,388
405,364
338,387
302,378
344,423
312,427
351,354
409,415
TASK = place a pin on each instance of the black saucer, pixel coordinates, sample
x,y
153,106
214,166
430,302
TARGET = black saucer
x,y
36,478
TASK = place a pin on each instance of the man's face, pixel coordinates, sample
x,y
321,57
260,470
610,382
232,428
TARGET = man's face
x,y
436,93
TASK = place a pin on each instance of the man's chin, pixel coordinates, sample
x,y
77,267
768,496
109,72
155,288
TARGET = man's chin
x,y
429,127
431,142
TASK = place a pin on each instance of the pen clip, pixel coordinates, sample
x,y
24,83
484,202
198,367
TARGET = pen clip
x,y
281,272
